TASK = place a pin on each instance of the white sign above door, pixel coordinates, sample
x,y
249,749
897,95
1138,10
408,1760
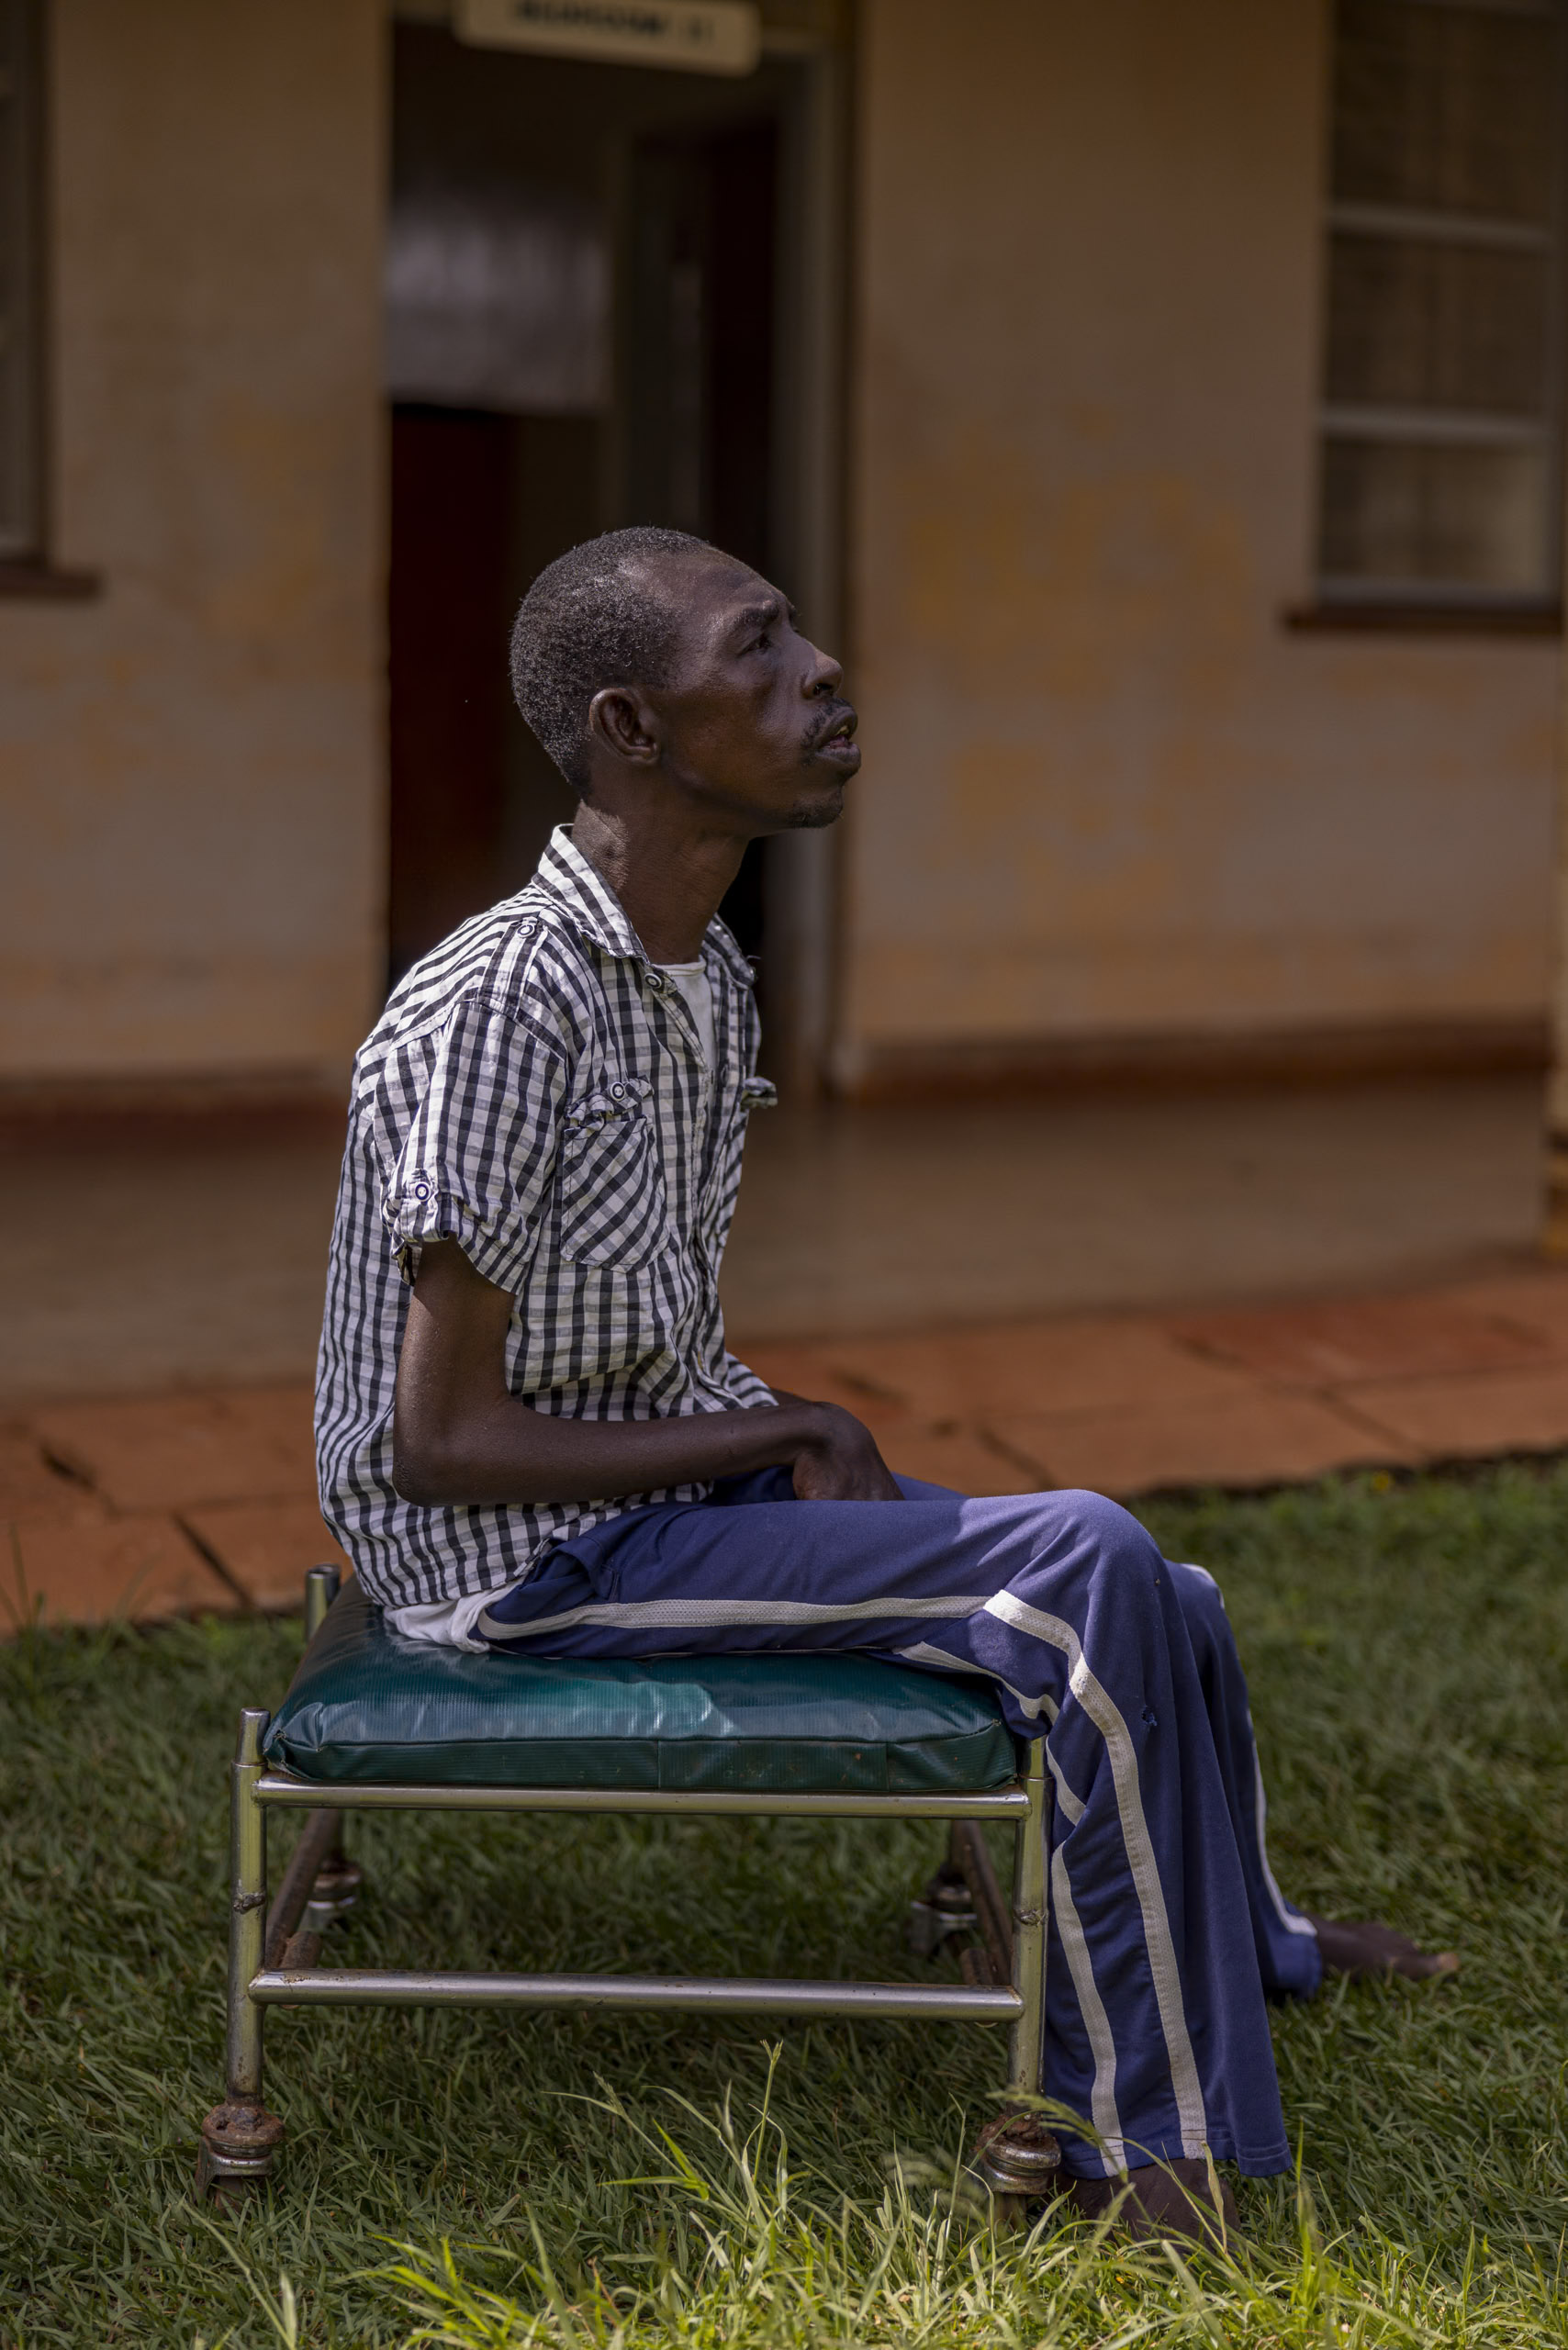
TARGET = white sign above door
x,y
693,36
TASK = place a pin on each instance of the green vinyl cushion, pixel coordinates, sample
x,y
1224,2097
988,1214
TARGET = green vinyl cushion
x,y
368,1704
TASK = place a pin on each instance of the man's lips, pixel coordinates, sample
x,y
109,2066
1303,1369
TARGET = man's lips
x,y
837,747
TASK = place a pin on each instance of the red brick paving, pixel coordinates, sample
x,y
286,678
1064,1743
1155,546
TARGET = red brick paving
x,y
123,1507
1374,1337
159,1505
959,1457
799,1368
1068,1364
1469,1417
167,1451
85,1565
265,1546
1252,1439
1534,1302
29,1487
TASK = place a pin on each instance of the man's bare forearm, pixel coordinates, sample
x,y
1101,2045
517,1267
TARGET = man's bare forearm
x,y
460,1438
511,1453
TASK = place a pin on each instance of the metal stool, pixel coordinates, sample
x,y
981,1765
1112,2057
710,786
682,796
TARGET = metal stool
x,y
274,1953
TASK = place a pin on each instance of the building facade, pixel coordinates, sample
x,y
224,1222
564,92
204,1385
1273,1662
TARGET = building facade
x,y
1160,403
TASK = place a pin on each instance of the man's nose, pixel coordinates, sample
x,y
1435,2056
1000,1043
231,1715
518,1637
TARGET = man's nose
x,y
824,674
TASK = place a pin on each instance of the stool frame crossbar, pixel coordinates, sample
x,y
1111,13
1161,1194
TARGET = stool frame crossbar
x,y
272,1952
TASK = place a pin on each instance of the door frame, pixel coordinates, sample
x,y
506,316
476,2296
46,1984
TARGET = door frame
x,y
804,909
808,467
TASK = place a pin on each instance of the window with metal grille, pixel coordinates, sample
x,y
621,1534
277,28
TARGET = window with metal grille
x,y
21,486
1440,457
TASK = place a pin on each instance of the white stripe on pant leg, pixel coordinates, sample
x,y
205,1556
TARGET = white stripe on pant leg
x,y
696,1615
1166,1975
1079,1965
925,1653
1292,1922
1072,1804
1096,2023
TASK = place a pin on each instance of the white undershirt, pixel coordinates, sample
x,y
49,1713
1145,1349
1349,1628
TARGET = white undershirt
x,y
692,981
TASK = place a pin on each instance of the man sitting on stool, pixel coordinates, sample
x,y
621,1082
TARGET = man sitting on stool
x,y
531,1438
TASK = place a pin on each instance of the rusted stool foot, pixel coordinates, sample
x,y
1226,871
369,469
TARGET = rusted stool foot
x,y
1019,2160
334,1892
945,1907
238,2143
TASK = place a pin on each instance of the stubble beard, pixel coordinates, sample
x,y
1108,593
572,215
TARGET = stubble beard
x,y
815,815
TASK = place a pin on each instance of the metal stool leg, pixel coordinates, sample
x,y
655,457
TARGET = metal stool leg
x,y
321,1590
322,1883
944,1905
1017,2157
239,2137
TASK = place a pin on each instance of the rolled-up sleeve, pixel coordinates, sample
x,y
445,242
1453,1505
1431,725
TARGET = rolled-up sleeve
x,y
478,1157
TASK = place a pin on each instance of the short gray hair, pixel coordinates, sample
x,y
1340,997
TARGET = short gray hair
x,y
593,618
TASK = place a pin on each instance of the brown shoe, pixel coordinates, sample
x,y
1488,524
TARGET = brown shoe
x,y
1163,2199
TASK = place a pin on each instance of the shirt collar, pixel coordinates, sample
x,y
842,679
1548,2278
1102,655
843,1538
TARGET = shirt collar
x,y
594,910
588,902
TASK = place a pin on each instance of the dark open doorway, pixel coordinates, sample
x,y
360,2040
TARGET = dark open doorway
x,y
585,328
480,502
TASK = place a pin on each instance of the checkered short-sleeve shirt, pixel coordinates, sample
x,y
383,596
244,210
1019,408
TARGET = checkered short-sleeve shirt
x,y
535,1090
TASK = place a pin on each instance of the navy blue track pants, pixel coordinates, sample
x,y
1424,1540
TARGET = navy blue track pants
x,y
1168,1931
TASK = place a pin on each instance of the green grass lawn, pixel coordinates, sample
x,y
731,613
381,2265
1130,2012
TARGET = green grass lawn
x,y
1406,1648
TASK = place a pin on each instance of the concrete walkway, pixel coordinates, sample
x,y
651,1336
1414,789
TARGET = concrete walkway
x,y
156,1505
189,1260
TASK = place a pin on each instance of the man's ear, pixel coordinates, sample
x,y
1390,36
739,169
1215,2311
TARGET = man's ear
x,y
621,722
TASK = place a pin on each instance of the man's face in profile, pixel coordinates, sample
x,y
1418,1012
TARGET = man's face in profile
x,y
755,722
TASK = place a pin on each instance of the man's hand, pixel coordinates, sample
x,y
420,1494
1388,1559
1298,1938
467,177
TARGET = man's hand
x,y
461,1438
840,1462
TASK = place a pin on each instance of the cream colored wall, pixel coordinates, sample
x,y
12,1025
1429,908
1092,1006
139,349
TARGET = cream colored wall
x,y
1104,791
190,766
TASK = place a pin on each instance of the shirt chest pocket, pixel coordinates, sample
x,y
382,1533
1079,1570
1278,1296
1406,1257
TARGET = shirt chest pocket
x,y
610,1187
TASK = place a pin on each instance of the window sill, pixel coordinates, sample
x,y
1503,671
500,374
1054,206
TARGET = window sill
x,y
41,583
1393,619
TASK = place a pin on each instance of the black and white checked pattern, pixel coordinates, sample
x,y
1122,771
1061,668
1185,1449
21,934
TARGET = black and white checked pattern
x,y
536,1090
